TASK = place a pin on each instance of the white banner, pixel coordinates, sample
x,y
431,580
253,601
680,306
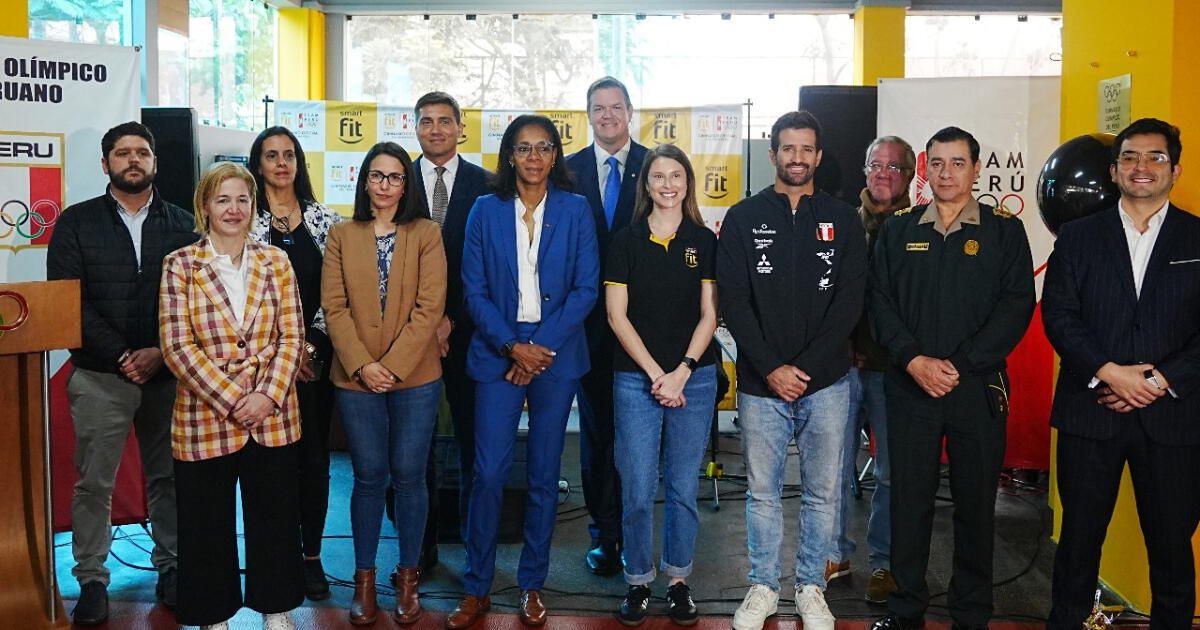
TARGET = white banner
x,y
1015,120
56,101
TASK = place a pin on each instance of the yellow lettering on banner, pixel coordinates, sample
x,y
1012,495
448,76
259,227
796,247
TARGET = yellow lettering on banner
x,y
573,127
666,126
350,126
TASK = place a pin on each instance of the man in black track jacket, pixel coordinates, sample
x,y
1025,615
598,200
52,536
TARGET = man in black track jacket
x,y
791,272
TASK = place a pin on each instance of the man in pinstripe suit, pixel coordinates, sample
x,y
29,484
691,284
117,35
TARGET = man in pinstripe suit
x,y
1121,305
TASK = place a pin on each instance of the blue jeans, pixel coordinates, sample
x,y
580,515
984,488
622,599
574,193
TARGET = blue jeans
x,y
497,414
642,427
817,423
867,408
389,434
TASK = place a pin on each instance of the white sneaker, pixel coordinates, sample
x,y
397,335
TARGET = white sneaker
x,y
224,625
278,621
810,605
760,602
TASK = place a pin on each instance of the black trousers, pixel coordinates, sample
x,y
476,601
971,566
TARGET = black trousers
x,y
1165,484
973,427
597,434
460,394
210,589
316,410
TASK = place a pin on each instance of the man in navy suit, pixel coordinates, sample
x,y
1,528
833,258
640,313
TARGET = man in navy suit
x,y
450,185
606,173
1121,305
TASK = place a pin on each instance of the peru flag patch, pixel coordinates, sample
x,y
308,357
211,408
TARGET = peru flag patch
x,y
824,231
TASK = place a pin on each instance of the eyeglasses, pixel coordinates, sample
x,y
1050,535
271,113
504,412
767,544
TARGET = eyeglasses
x,y
377,177
525,150
1131,158
875,167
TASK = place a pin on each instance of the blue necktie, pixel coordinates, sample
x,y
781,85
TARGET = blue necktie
x,y
612,190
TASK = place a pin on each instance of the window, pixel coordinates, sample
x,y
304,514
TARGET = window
x,y
992,45
84,21
172,68
231,51
548,61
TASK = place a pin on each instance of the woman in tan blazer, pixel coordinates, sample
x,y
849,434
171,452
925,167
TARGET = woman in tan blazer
x,y
383,288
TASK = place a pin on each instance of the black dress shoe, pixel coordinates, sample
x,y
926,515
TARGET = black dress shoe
x,y
604,559
633,610
892,622
166,589
316,585
92,607
958,626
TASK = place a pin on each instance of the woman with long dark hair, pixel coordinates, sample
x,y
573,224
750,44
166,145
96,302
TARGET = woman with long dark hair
x,y
290,218
662,305
530,272
384,290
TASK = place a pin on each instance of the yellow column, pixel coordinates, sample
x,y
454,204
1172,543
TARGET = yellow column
x,y
301,54
1155,43
14,18
878,43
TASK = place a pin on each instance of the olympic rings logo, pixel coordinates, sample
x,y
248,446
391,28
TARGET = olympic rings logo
x,y
1003,202
43,214
22,315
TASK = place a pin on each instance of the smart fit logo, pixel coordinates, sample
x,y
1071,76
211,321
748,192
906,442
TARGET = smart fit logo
x,y
350,128
665,131
716,182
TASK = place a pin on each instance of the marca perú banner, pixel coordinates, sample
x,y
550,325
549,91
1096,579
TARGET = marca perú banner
x,y
1015,120
335,135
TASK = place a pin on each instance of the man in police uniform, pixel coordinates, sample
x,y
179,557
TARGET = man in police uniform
x,y
952,294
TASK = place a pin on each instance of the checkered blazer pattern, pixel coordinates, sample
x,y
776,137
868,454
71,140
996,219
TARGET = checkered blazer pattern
x,y
216,362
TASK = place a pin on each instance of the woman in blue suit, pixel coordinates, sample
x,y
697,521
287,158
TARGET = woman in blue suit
x,y
530,276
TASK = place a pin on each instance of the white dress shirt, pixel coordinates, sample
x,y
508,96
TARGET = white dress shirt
x,y
134,222
234,280
602,166
529,295
1141,243
429,177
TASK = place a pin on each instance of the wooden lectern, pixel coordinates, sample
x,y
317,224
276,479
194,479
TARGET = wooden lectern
x,y
35,317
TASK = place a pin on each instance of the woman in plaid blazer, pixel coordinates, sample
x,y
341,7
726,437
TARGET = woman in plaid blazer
x,y
232,330
383,288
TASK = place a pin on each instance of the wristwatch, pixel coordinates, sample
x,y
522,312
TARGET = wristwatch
x,y
689,362
507,348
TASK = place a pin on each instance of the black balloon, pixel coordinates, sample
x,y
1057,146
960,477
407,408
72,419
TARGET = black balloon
x,y
1075,181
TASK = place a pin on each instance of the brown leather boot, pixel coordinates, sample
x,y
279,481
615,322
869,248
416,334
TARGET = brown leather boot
x,y
408,603
363,608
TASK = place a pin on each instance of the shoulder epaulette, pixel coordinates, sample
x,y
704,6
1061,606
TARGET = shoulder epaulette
x,y
1002,213
902,212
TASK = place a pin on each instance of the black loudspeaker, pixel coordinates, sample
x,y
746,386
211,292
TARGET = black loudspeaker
x,y
177,145
849,116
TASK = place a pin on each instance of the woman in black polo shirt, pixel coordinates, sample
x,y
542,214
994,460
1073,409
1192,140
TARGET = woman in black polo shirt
x,y
662,306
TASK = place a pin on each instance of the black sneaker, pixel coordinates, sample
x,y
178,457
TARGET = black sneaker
x,y
167,587
680,607
633,609
92,607
316,587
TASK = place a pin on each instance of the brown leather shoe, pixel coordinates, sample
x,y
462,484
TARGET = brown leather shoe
x,y
469,610
363,608
533,611
408,604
